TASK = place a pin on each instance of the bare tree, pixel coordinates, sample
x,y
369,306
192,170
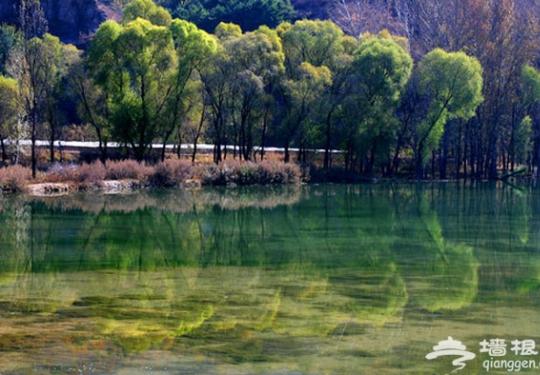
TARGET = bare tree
x,y
360,16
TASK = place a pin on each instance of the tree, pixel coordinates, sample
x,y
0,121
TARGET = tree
x,y
360,16
303,95
522,143
313,51
147,10
92,105
451,82
194,47
65,57
8,109
38,69
32,21
315,42
135,64
249,14
10,40
382,67
257,61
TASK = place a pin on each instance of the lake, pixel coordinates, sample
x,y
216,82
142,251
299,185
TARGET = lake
x,y
321,279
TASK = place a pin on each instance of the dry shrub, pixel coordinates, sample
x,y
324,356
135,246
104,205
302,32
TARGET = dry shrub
x,y
250,173
171,173
87,175
128,169
92,174
15,178
59,173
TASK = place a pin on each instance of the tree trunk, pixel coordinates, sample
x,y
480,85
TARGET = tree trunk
x,y
33,138
4,154
51,145
328,142
263,135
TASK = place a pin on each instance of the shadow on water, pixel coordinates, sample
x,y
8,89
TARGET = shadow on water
x,y
309,279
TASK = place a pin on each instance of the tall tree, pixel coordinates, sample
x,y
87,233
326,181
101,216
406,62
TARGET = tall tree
x,y
8,110
38,70
382,67
451,83
10,41
135,64
194,48
257,61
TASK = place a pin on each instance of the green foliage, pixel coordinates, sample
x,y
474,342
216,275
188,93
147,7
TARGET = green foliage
x,y
523,140
10,39
227,30
382,68
147,10
135,64
315,42
9,93
249,14
530,78
452,83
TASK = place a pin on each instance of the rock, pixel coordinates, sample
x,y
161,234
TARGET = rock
x,y
192,184
49,189
119,186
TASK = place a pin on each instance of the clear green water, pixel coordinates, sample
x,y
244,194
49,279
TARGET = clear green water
x,y
307,280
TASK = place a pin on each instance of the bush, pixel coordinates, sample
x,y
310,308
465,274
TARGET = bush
x,y
87,175
249,173
92,174
14,179
171,173
128,169
62,173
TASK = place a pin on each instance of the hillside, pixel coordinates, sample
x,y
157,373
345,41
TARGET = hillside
x,y
74,21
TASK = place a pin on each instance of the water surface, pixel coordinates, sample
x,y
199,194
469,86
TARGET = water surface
x,y
295,280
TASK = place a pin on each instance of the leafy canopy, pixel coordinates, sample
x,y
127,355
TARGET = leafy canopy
x,y
452,84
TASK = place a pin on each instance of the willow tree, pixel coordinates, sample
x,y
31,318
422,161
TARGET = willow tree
x,y
147,10
8,109
257,61
382,67
451,84
135,64
304,94
39,69
194,48
313,51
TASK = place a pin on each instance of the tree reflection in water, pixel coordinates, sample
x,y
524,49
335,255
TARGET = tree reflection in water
x,y
301,277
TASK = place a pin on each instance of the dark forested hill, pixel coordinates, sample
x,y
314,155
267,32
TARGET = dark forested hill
x,y
74,21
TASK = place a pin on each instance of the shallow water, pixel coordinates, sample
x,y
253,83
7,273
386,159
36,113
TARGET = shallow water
x,y
295,280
